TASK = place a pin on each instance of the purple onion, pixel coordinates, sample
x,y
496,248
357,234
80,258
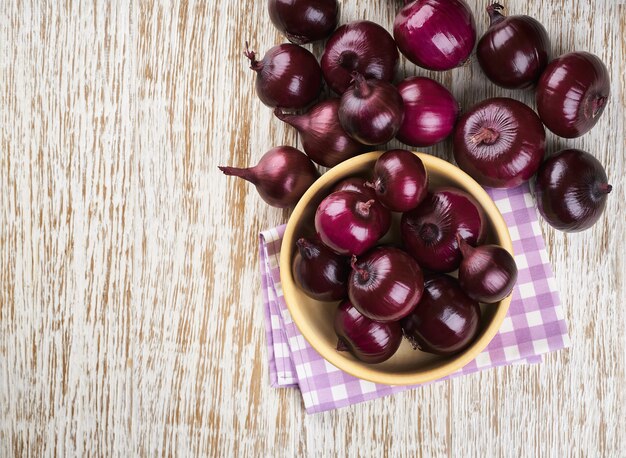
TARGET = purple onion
x,y
304,21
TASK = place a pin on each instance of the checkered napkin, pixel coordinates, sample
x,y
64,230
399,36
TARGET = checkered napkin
x,y
534,324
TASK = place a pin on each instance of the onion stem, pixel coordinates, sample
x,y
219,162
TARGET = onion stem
x,y
485,135
247,173
254,64
363,274
494,13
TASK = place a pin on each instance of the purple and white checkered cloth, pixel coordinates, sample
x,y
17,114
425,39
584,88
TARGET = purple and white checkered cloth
x,y
534,325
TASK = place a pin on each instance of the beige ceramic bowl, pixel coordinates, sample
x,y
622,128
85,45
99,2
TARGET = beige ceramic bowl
x,y
315,319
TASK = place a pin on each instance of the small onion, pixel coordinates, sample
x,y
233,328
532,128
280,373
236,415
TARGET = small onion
x,y
360,46
355,184
281,177
571,190
304,21
386,284
288,76
430,111
369,341
435,34
572,93
487,273
499,142
350,223
514,51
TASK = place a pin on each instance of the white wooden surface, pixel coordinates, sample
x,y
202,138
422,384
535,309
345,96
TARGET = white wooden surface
x,y
130,306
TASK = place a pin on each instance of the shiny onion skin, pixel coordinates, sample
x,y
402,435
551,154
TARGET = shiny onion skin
x,y
572,93
385,284
487,273
429,232
371,111
446,320
430,112
571,190
288,76
281,177
355,184
323,138
320,272
304,21
369,341
400,180
499,142
350,223
435,34
359,46
514,51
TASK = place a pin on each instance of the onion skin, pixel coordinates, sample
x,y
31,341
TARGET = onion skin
x,y
572,93
446,320
499,142
304,21
435,34
288,76
355,184
487,273
323,138
430,112
386,284
281,177
371,111
321,273
350,223
429,232
571,190
400,180
369,341
359,46
514,51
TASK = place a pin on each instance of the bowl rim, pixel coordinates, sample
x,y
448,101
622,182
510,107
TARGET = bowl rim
x,y
357,368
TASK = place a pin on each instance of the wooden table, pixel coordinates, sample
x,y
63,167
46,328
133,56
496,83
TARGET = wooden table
x,y
130,313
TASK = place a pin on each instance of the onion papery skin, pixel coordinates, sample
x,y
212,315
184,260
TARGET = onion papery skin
x,y
499,142
350,223
572,93
571,190
320,272
323,138
430,112
487,273
514,51
281,177
355,184
288,76
359,46
435,34
400,180
304,21
385,284
446,320
369,341
429,232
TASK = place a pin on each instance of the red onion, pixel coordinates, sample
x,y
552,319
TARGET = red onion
x,y
435,34
287,77
323,139
320,272
360,46
355,184
281,177
429,232
430,111
499,142
572,93
369,341
400,180
445,321
514,50
371,111
304,21
386,284
487,273
571,190
350,223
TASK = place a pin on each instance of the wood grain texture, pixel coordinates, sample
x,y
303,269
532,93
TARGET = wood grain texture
x,y
130,305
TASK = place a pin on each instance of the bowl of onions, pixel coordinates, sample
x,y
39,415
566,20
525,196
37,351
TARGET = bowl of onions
x,y
356,289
